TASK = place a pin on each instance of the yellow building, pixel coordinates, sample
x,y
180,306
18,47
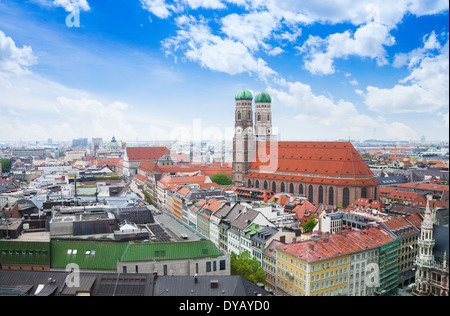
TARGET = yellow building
x,y
299,277
343,263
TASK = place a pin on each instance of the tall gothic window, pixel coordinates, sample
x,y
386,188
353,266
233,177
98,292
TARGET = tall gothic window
x,y
320,194
291,188
274,187
331,196
300,189
364,193
311,194
239,116
249,116
345,197
249,183
282,187
266,185
259,117
257,184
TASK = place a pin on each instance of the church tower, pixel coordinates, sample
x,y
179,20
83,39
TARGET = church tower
x,y
425,258
263,117
244,139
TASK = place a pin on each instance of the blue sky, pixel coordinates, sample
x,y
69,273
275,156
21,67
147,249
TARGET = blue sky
x,y
156,69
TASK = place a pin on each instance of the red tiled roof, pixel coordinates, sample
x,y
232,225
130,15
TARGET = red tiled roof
x,y
400,223
338,244
315,159
364,204
174,183
140,177
183,191
146,153
423,186
414,198
180,157
108,162
149,167
415,219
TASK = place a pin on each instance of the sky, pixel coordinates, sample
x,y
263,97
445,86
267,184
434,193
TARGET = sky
x,y
145,70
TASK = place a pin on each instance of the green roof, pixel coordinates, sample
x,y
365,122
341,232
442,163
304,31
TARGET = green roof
x,y
263,98
244,95
107,254
170,251
25,253
253,229
102,255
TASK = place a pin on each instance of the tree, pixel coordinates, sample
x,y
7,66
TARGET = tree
x,y
6,165
221,179
247,267
148,197
309,225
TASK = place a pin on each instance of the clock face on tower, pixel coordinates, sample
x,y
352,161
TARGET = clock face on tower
x,y
238,130
249,130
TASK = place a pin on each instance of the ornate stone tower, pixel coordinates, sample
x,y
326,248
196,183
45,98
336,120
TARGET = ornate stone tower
x,y
425,258
244,139
263,117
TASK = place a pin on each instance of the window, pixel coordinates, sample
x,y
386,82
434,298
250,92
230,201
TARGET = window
x,y
222,264
331,196
265,185
239,116
291,188
346,197
208,266
364,193
310,194
274,187
300,189
320,194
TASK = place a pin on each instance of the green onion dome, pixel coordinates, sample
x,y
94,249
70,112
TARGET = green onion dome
x,y
263,98
244,95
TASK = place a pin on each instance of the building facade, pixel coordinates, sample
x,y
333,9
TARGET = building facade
x,y
325,172
432,259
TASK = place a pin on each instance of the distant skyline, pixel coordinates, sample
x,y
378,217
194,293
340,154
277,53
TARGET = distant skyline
x,y
155,69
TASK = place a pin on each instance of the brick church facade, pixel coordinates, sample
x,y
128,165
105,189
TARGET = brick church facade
x,y
331,173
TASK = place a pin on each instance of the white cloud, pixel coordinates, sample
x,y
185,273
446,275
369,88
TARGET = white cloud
x,y
252,29
199,44
68,5
206,4
275,52
165,8
414,57
324,111
399,131
158,7
14,60
428,88
367,41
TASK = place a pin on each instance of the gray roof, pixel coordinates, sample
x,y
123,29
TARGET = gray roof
x,y
222,286
244,219
20,282
264,234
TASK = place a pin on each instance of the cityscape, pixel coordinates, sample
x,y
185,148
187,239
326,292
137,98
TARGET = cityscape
x,y
224,148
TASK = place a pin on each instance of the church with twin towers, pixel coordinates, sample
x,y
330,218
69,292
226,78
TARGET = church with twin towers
x,y
331,173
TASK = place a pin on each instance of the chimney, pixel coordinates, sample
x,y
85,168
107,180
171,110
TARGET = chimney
x,y
214,284
195,278
311,246
283,239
